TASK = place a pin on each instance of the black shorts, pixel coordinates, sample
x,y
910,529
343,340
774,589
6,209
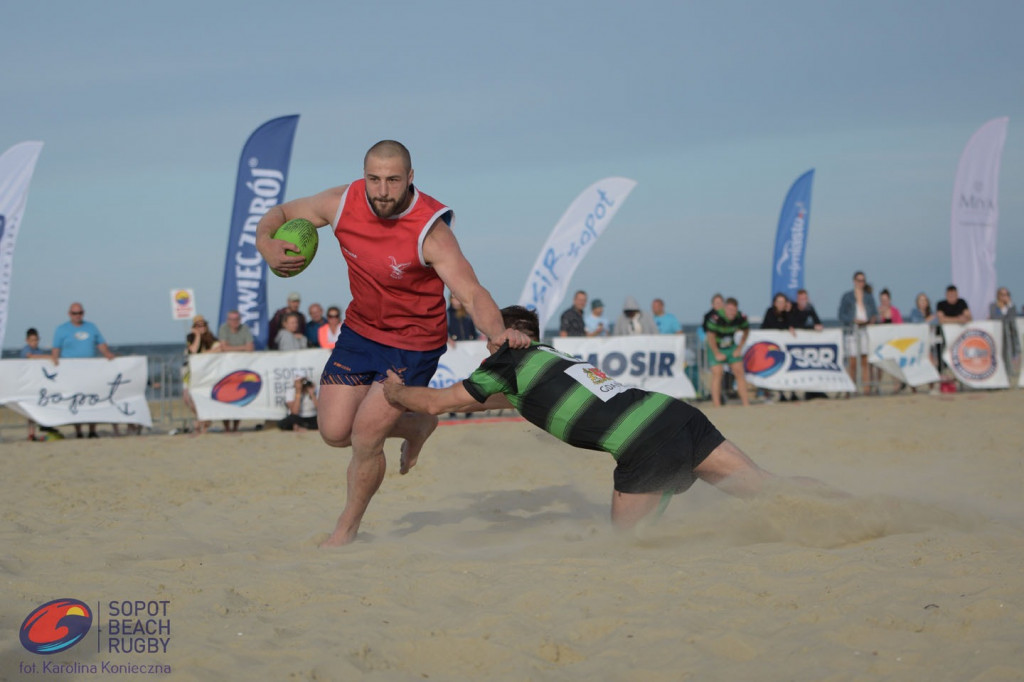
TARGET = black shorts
x,y
668,465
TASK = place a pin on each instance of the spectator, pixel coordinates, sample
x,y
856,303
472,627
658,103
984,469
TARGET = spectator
x,y
953,310
290,336
717,304
887,312
572,319
330,332
1002,309
856,311
32,351
199,340
633,320
922,312
234,336
276,322
723,350
803,315
316,320
777,315
79,338
667,323
594,322
301,399
460,324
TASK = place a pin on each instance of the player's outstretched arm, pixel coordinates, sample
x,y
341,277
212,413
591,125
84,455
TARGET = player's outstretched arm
x,y
455,398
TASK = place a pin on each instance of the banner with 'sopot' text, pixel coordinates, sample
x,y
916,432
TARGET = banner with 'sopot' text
x,y
77,391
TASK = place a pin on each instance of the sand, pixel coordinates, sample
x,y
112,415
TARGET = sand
x,y
493,559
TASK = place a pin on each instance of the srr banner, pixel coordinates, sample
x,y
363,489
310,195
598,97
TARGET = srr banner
x,y
797,361
77,391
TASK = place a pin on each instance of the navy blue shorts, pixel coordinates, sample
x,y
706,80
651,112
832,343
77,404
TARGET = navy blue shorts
x,y
358,361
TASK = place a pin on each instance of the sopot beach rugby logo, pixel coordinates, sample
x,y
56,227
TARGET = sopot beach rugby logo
x,y
56,626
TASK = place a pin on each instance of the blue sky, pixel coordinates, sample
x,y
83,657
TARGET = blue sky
x,y
509,111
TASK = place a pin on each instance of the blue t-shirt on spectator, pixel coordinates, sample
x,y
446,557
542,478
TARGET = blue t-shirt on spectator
x,y
29,350
77,342
667,324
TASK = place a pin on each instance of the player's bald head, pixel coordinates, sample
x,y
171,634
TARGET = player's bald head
x,y
389,149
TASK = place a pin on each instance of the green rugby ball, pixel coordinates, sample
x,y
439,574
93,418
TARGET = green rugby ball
x,y
302,233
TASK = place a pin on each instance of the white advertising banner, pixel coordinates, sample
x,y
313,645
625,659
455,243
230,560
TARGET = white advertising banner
x,y
974,351
249,385
570,240
902,351
653,362
975,215
77,391
458,362
16,167
800,361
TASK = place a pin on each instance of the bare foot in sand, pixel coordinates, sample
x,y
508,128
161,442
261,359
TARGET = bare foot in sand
x,y
412,445
339,538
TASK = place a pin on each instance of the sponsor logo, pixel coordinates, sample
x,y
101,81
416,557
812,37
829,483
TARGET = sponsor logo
x,y
906,352
182,298
764,359
974,355
397,269
816,356
596,375
238,388
56,626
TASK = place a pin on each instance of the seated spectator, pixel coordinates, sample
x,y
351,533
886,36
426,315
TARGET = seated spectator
x,y
667,323
594,322
290,336
330,332
803,315
301,400
887,312
777,316
633,320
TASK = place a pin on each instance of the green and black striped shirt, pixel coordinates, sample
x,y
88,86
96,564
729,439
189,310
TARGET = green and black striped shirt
x,y
576,402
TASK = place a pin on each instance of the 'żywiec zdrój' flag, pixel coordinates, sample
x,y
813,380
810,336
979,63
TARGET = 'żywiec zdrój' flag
x,y
791,238
573,235
16,167
262,171
975,216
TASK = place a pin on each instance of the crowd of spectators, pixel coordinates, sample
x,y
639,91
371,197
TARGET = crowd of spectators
x,y
291,330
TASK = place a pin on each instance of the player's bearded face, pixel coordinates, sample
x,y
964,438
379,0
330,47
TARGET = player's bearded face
x,y
388,185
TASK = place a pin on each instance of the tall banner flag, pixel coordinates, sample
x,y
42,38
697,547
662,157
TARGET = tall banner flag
x,y
570,240
975,215
791,238
16,168
262,172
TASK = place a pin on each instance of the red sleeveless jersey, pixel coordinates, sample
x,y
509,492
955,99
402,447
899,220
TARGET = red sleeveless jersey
x,y
397,299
